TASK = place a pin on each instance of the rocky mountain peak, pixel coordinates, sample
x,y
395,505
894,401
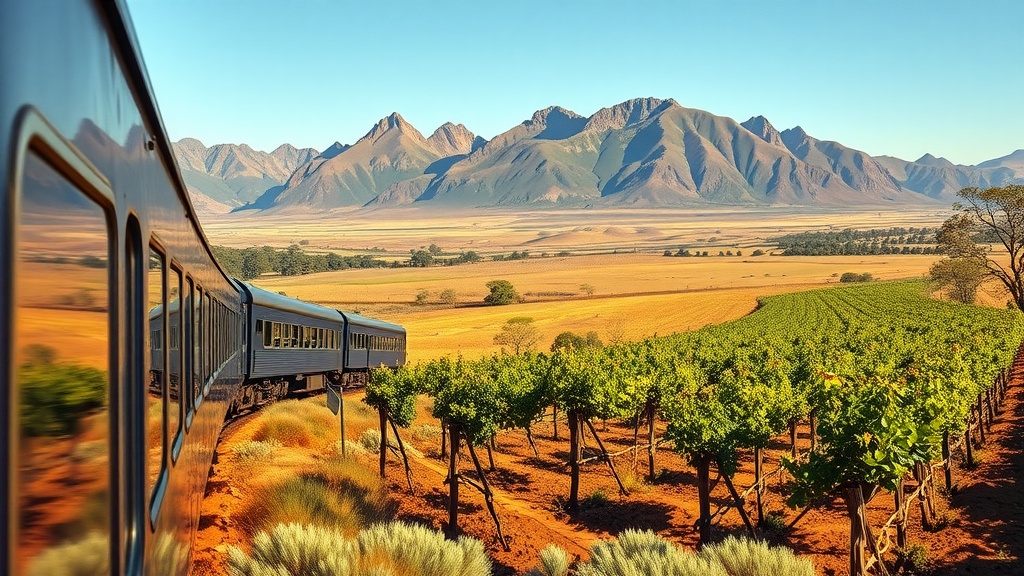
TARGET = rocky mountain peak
x,y
393,121
451,139
625,113
764,130
929,160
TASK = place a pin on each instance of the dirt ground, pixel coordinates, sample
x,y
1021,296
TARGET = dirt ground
x,y
985,515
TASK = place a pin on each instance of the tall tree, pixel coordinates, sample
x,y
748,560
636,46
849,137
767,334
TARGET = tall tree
x,y
518,334
998,213
502,292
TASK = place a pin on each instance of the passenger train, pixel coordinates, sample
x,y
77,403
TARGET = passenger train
x,y
125,345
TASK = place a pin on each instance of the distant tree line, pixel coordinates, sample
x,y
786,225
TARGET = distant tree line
x,y
249,263
859,242
686,253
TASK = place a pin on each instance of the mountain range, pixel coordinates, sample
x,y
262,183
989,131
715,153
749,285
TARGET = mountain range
x,y
643,152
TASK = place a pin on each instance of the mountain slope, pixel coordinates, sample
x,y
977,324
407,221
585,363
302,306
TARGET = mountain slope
x,y
641,152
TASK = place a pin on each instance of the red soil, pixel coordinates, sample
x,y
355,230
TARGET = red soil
x,y
984,535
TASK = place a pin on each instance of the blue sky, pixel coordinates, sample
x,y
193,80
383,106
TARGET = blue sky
x,y
895,77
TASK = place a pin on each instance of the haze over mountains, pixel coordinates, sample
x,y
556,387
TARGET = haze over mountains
x,y
644,152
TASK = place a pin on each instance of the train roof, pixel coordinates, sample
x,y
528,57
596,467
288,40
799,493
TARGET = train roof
x,y
261,297
358,320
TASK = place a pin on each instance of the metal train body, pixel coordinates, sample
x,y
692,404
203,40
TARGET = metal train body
x,y
124,343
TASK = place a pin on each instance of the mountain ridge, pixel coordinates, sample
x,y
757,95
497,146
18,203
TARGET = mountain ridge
x,y
646,152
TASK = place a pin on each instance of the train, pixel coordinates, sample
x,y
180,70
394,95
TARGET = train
x,y
126,345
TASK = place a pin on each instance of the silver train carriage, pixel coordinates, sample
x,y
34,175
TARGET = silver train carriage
x,y
124,341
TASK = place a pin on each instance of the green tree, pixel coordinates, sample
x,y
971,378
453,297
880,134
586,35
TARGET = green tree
x,y
961,276
568,340
434,250
502,293
588,289
518,334
998,213
448,297
420,258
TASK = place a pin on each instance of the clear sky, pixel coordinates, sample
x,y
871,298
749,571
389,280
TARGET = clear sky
x,y
886,77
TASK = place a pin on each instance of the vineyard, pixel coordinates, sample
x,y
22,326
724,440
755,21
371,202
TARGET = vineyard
x,y
887,380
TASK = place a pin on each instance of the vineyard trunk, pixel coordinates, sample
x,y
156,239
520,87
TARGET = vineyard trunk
x,y
853,496
792,436
758,458
901,517
650,439
947,465
453,479
575,431
814,430
383,439
703,464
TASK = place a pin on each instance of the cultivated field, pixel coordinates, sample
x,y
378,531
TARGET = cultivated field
x,y
635,295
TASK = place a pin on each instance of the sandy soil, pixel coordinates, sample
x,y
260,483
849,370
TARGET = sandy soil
x,y
985,534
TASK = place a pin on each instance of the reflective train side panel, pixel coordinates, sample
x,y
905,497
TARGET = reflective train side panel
x,y
121,335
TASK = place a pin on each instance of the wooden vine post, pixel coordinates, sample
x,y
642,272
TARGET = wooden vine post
x,y
759,483
702,462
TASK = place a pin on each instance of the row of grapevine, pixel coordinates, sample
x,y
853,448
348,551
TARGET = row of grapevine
x,y
884,372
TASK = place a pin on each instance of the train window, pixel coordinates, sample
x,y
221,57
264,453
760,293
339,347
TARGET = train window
x,y
176,357
61,451
276,326
197,346
208,343
268,337
156,399
296,335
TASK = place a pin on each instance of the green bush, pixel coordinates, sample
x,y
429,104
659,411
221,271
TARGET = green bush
x,y
56,395
917,559
382,549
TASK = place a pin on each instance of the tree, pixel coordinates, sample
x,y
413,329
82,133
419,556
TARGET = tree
x,y
448,297
434,250
420,258
962,276
518,334
589,289
502,292
998,213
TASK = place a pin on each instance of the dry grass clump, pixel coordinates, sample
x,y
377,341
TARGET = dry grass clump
x,y
338,494
90,555
295,423
384,549
644,553
553,562
255,450
742,557
370,439
426,433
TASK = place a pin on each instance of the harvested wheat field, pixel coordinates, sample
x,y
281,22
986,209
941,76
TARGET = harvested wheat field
x,y
633,295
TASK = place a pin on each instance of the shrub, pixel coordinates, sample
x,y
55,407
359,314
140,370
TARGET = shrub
x,y
295,423
255,450
854,277
553,562
426,432
90,555
742,557
644,553
338,494
917,559
56,395
502,292
370,439
393,548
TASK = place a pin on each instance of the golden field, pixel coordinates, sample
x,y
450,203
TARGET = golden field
x,y
635,295
637,292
